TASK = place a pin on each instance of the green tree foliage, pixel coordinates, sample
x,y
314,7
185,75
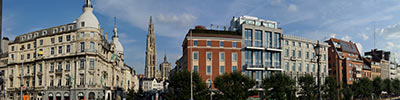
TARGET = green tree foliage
x,y
388,86
133,95
330,89
347,92
279,86
363,88
233,86
179,87
378,86
396,86
308,87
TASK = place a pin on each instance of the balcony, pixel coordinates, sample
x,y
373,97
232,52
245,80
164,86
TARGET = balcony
x,y
254,48
358,75
274,68
255,67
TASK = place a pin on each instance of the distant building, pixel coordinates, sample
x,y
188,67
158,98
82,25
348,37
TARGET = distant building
x,y
151,52
215,52
149,84
345,61
387,61
165,68
299,57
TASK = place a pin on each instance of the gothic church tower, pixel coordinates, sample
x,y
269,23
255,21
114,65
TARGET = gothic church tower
x,y
151,52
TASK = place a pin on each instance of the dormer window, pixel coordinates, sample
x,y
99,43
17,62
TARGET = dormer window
x,y
70,27
55,30
44,32
29,36
83,24
36,34
62,29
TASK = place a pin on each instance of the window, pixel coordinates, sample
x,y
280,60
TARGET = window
x,y
208,43
91,34
12,56
40,42
55,30
268,59
209,57
221,44
62,29
22,56
287,42
29,46
248,35
82,34
67,65
82,80
287,66
208,68
68,37
40,80
277,41
287,53
28,56
307,55
44,33
82,46
196,68
82,64
313,67
91,46
234,57
234,45
40,68
59,49
22,47
299,44
258,38
91,64
221,56
258,60
51,67
294,67
300,67
221,70
60,38
307,45
70,27
293,53
196,55
234,68
52,40
293,43
12,48
248,58
268,39
195,43
59,69
68,48
27,69
277,60
307,67
83,24
52,51
299,54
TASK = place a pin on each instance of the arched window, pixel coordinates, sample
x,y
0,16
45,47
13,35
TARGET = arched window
x,y
91,96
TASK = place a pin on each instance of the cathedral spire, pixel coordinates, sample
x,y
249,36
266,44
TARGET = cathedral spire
x,y
115,27
151,26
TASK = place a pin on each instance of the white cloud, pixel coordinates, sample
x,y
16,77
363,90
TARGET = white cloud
x,y
364,36
183,19
292,8
389,45
346,38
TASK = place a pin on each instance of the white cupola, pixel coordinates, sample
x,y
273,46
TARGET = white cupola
x,y
115,40
87,19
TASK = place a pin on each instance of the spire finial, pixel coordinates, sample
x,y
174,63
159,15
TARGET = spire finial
x,y
88,4
151,27
165,57
115,27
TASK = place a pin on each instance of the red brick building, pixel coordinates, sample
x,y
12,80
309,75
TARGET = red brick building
x,y
345,61
215,52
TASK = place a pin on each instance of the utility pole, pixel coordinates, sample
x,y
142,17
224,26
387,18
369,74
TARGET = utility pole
x,y
1,23
191,66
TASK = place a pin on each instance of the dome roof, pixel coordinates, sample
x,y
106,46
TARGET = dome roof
x,y
118,45
88,19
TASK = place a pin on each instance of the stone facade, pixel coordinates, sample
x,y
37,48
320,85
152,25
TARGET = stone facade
x,y
299,57
151,52
72,61
165,68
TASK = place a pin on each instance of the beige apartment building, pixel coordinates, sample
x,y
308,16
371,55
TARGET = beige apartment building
x,y
68,62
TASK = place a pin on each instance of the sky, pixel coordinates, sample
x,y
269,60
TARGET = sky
x,y
352,20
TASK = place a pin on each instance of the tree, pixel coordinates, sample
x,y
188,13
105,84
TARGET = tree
x,y
179,87
233,86
279,86
378,86
396,85
329,89
363,88
347,92
133,95
308,87
388,86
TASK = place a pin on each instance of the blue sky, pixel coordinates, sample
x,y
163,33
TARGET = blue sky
x,y
354,20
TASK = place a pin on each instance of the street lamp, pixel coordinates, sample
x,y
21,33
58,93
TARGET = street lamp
x,y
317,49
